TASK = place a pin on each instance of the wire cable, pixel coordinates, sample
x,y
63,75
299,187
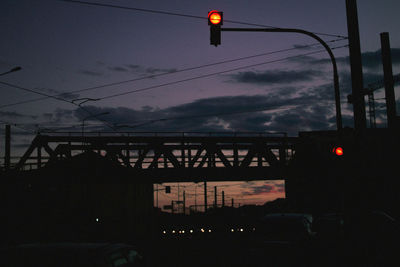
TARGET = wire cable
x,y
180,15
148,122
213,74
164,74
59,99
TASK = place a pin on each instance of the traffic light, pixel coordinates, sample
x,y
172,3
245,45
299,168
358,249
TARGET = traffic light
x,y
167,189
338,151
215,20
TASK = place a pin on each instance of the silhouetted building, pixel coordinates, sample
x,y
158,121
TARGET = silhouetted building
x,y
365,177
86,197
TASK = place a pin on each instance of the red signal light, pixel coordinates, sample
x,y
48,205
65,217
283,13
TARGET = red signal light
x,y
215,17
338,151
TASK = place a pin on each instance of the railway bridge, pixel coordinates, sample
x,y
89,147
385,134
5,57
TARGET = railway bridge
x,y
173,157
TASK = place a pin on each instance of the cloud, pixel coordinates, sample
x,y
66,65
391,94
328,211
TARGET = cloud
x,y
90,73
54,92
266,188
258,113
133,66
371,60
15,115
302,47
152,70
276,76
118,69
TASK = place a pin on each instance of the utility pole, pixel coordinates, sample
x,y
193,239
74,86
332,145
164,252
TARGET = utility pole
x,y
215,197
360,123
7,154
184,203
157,195
205,196
195,198
389,82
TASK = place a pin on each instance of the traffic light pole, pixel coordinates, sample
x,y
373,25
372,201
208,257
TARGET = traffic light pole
x,y
325,45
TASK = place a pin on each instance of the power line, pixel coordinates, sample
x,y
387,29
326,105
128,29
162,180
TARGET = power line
x,y
148,122
181,15
17,126
56,98
163,74
212,74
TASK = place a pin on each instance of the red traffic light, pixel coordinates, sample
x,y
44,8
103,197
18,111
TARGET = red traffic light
x,y
338,151
214,17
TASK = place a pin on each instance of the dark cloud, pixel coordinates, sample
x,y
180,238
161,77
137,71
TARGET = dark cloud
x,y
257,113
266,188
152,70
276,76
69,96
133,66
15,115
119,69
371,60
90,73
54,92
302,47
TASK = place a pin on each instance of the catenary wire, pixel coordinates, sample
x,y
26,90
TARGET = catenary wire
x,y
158,86
164,74
213,74
193,78
180,15
57,98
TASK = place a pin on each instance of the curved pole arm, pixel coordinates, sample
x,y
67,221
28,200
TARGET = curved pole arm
x,y
325,45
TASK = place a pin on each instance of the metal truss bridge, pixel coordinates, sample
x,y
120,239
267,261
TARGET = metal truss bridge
x,y
173,157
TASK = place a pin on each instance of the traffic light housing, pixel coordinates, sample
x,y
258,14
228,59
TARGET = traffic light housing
x,y
167,189
215,20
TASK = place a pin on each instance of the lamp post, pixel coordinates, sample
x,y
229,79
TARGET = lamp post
x,y
12,70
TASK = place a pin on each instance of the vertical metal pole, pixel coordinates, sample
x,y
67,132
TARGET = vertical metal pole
x,y
223,199
195,198
184,203
389,83
7,155
205,196
356,66
232,202
39,156
235,156
178,192
215,197
157,194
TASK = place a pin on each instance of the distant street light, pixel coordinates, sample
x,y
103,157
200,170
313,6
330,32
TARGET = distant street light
x,y
91,116
12,70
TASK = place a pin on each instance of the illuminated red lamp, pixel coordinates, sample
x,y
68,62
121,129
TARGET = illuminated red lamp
x,y
214,17
338,151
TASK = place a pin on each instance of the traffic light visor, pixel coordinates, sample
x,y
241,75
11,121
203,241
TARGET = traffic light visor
x,y
215,17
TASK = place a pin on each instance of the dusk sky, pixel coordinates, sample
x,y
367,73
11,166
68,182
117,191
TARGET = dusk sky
x,y
76,50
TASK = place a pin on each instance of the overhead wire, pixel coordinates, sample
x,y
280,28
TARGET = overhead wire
x,y
214,74
163,74
147,122
56,98
181,15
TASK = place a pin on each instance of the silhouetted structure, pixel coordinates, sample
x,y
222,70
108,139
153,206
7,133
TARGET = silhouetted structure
x,y
84,198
